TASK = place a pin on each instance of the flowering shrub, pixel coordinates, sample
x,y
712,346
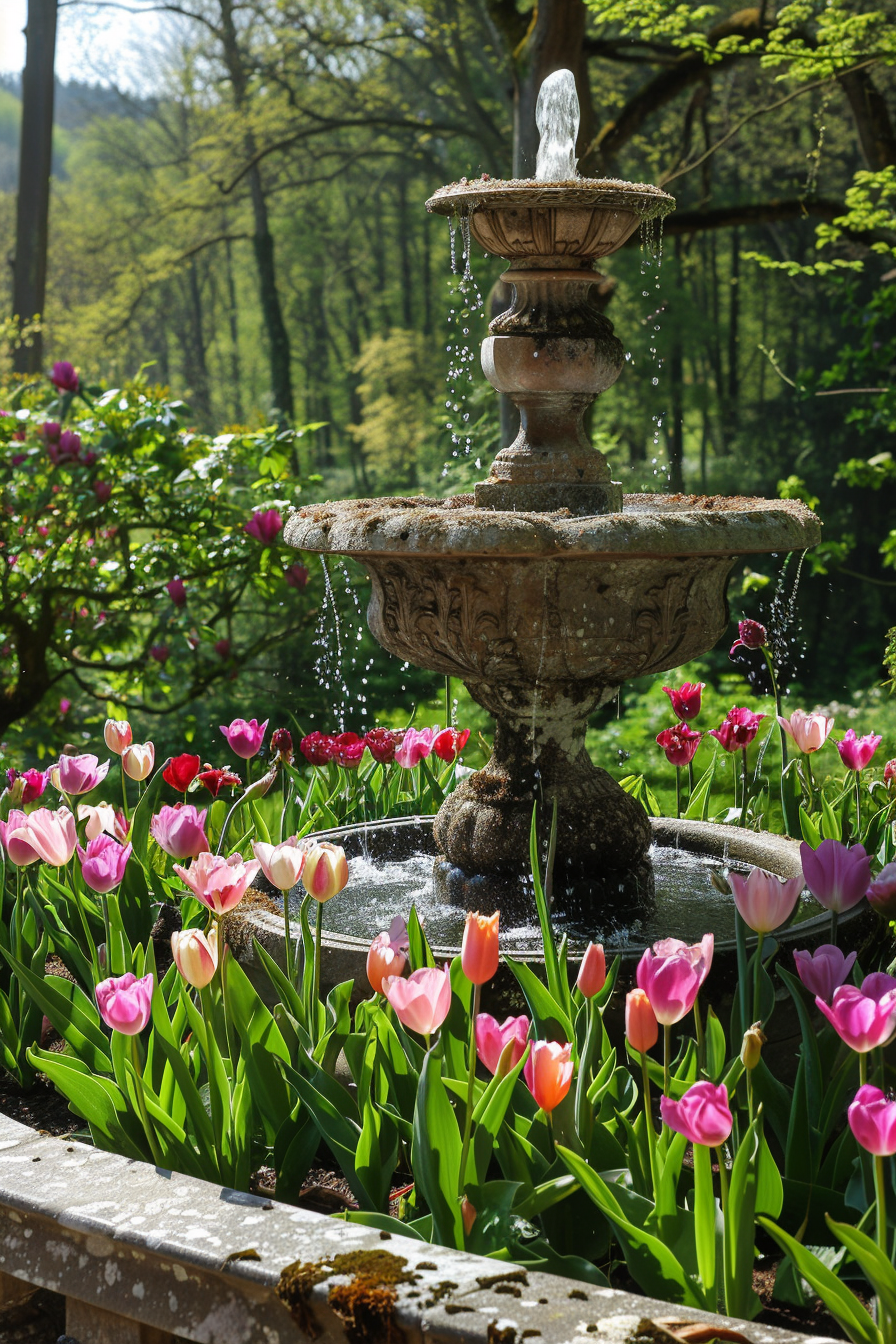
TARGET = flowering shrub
x,y
138,562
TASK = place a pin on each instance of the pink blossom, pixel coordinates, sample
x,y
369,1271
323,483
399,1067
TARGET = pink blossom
x,y
671,979
808,731
281,864
33,783
421,1002
102,490
103,818
864,1018
856,752
103,863
837,875
67,448
737,729
824,970
872,1119
764,900
686,700
79,774
492,1039
52,835
890,773
702,1115
881,893
264,525
218,882
125,1003
388,954
180,830
64,376
415,746
19,849
64,707
245,738
548,1073
680,743
296,576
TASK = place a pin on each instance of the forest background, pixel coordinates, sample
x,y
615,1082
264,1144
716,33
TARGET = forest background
x,y
246,226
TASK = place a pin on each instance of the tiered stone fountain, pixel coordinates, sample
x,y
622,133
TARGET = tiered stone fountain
x,y
547,590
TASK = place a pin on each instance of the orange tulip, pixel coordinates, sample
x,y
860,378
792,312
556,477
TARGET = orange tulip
x,y
382,960
593,971
548,1073
641,1026
479,950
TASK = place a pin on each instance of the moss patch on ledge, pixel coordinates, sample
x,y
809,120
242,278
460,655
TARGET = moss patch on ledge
x,y
365,1305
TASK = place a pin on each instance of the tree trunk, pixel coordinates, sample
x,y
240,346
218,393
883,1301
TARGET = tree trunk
x,y
35,161
236,375
555,41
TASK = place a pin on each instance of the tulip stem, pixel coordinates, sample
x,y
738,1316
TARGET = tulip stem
x,y
91,945
141,1102
315,991
863,1068
690,780
745,792
288,939
757,972
810,780
667,1059
648,1120
858,805
471,1078
880,1192
678,793
124,791
771,672
723,1178
698,1029
222,959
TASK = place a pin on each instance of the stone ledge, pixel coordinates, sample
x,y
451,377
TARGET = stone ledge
x,y
155,1251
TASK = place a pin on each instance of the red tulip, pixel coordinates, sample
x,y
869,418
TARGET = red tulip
x,y
216,780
381,743
680,743
449,743
181,771
686,700
752,635
318,748
737,729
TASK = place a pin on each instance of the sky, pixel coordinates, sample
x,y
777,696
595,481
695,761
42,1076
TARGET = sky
x,y
92,44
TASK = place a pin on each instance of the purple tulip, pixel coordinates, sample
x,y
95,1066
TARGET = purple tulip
x,y
80,774
103,863
245,739
125,1002
64,376
881,893
824,970
856,752
702,1115
872,1119
265,526
837,875
864,1018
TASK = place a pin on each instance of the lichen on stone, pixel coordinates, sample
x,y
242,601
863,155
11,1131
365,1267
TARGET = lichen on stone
x,y
365,1305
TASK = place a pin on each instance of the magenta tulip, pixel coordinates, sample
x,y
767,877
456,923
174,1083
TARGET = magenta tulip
x,y
671,980
65,449
125,1003
177,591
421,1002
864,1018
160,653
882,892
103,491
680,743
180,830
79,774
493,1037
837,875
890,773
824,970
19,850
296,576
218,882
856,752
765,901
103,863
737,729
751,635
64,376
872,1119
52,835
415,746
702,1115
264,525
698,954
808,731
26,786
245,738
686,700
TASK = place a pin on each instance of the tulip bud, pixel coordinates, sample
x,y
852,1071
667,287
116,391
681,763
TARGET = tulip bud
x,y
641,1026
196,955
468,1214
260,787
325,872
137,760
118,735
751,1049
593,971
479,949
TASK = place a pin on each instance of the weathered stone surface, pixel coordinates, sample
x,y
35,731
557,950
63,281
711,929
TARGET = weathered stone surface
x,y
166,1255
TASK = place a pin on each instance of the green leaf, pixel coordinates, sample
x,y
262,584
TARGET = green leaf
x,y
549,947
435,1154
262,1044
740,1211
843,1305
698,803
295,1148
419,951
831,828
876,1267
549,1016
715,1047
71,1013
811,834
383,1222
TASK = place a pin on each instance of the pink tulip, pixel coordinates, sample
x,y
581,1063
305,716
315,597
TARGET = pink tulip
x,y
52,835
30,783
808,731
196,955
281,864
837,875
138,760
680,743
245,738
671,979
64,376
218,882
593,971
864,1018
492,1039
421,1002
79,774
103,863
18,849
125,1003
824,970
872,1119
548,1073
890,773
856,752
264,525
479,948
764,900
180,830
415,746
118,735
449,743
737,729
702,1115
103,819
751,635
882,892
686,700
177,591
388,954
698,954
